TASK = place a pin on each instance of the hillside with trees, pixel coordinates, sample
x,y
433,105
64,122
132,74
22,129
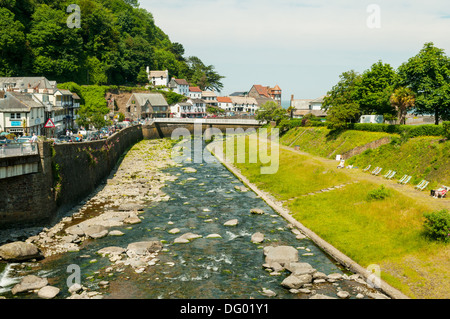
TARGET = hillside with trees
x,y
114,43
421,84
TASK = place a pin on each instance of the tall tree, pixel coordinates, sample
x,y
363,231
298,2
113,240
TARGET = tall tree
x,y
402,100
428,75
12,43
375,89
341,101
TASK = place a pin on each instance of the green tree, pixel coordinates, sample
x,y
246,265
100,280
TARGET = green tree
x,y
341,101
271,111
402,100
55,48
205,77
428,75
12,43
375,89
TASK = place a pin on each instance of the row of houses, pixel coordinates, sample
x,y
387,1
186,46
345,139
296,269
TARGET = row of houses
x,y
28,103
198,102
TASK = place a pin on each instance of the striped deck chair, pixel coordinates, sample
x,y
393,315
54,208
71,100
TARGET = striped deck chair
x,y
387,174
421,188
392,175
378,172
402,179
406,181
420,184
367,168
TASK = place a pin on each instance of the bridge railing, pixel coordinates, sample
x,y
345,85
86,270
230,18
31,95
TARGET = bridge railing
x,y
18,149
207,121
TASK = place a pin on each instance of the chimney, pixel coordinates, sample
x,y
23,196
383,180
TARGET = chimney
x,y
292,97
2,94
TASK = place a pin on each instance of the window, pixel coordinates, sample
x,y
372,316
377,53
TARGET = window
x,y
15,116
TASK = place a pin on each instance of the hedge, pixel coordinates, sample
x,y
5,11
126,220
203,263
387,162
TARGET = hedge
x,y
405,130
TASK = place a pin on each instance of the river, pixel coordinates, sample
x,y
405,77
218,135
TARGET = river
x,y
219,268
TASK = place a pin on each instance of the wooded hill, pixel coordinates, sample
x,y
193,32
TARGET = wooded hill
x,y
115,42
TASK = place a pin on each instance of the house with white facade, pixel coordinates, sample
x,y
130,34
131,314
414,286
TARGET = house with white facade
x,y
198,109
210,98
179,86
244,104
195,92
158,78
21,113
225,103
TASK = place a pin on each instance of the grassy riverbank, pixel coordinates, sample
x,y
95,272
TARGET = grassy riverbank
x,y
386,232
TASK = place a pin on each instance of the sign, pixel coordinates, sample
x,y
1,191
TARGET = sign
x,y
49,124
16,123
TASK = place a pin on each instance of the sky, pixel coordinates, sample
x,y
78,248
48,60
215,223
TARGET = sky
x,y
301,45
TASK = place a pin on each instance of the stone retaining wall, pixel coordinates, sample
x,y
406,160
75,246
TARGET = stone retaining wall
x,y
66,174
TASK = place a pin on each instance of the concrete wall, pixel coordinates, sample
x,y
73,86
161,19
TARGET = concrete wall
x,y
66,174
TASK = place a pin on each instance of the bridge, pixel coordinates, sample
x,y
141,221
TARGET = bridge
x,y
164,127
215,121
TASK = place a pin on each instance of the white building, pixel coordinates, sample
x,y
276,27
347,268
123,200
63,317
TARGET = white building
x,y
225,103
21,113
307,106
158,78
244,104
195,92
210,97
179,86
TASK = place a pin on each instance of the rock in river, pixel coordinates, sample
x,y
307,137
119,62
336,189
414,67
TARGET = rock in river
x,y
284,255
28,283
232,222
257,238
19,251
48,292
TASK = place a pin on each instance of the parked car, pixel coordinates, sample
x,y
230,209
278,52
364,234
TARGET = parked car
x,y
24,139
64,139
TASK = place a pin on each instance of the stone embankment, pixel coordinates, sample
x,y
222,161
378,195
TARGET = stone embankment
x,y
118,202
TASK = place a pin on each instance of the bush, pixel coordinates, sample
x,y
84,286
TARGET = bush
x,y
446,128
437,225
379,194
408,131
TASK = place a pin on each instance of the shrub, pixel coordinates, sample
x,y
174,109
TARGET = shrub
x,y
437,225
407,131
446,127
378,194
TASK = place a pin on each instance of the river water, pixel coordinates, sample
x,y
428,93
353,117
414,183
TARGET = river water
x,y
218,268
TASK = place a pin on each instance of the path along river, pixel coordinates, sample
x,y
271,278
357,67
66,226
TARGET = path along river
x,y
227,267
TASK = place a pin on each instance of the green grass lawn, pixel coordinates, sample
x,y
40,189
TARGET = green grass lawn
x,y
385,232
321,141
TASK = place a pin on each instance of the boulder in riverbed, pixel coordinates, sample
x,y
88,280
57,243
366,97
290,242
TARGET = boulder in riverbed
x,y
296,282
28,283
48,292
19,251
284,255
232,222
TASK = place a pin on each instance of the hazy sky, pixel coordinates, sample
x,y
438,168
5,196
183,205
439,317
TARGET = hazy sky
x,y
301,45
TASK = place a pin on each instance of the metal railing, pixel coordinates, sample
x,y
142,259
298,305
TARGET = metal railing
x,y
207,121
18,149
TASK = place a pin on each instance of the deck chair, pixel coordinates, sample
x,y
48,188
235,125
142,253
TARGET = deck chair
x,y
375,170
407,180
378,171
367,168
420,184
402,179
392,175
387,174
424,185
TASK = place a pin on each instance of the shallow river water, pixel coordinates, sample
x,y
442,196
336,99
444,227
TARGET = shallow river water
x,y
218,268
